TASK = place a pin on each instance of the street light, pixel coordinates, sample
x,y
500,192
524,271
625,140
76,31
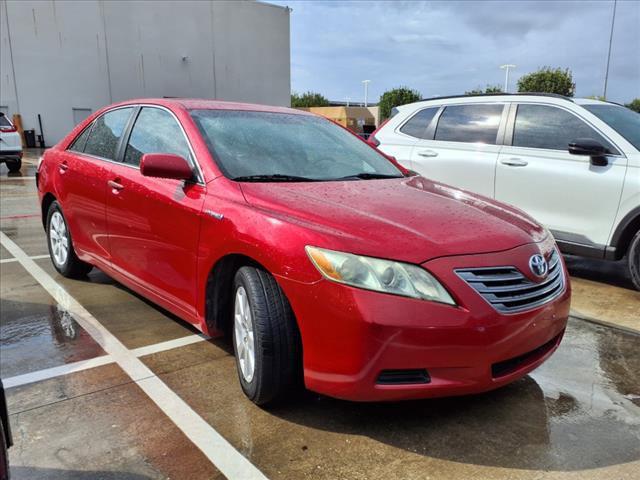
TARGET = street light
x,y
506,67
366,90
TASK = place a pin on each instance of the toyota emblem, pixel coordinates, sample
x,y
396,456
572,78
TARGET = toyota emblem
x,y
538,265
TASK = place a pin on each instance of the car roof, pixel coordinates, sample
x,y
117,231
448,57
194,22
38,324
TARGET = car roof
x,y
207,104
501,97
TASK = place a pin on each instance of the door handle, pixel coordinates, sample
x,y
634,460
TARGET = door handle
x,y
514,162
427,153
63,167
115,185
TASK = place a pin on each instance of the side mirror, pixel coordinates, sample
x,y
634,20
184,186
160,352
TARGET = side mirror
x,y
592,148
165,165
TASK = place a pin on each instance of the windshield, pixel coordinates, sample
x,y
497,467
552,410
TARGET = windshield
x,y
265,146
623,120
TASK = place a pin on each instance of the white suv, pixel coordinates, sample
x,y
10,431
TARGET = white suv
x,y
10,144
573,164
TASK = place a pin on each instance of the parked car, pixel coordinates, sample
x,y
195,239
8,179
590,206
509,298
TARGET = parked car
x,y
10,144
572,164
325,261
5,436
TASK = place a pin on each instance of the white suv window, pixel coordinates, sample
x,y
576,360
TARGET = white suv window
x,y
545,126
470,123
417,125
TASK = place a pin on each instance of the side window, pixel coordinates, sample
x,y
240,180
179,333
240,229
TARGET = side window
x,y
106,133
469,123
155,131
417,125
544,126
81,140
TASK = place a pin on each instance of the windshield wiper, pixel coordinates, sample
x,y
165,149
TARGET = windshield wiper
x,y
368,176
274,177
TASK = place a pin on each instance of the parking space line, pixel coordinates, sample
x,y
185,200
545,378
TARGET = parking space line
x,y
214,446
33,257
59,371
66,369
168,345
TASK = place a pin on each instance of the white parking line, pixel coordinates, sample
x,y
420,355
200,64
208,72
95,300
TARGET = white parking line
x,y
52,372
219,451
33,257
66,369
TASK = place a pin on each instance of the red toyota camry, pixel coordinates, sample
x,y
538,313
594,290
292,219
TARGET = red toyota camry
x,y
331,266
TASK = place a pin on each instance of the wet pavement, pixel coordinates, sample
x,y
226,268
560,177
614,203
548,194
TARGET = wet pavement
x,y
577,416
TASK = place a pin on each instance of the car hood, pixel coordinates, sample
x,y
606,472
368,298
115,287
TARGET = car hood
x,y
409,219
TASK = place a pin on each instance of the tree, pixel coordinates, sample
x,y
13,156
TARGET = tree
x,y
548,80
308,99
634,105
396,97
489,89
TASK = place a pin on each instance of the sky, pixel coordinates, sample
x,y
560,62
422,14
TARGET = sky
x,y
446,48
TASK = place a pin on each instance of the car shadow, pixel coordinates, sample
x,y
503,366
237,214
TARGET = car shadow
x,y
604,271
514,427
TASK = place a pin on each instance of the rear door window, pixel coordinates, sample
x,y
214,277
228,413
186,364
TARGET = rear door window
x,y
106,132
4,121
81,140
417,125
470,124
545,126
155,131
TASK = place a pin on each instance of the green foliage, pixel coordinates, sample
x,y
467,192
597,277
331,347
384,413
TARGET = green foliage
x,y
597,97
396,97
308,99
489,89
634,105
548,80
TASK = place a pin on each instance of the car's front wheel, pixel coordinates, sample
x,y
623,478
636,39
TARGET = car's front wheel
x,y
266,339
14,166
61,249
633,260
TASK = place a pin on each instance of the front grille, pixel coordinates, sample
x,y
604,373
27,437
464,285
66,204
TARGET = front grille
x,y
506,367
403,377
509,291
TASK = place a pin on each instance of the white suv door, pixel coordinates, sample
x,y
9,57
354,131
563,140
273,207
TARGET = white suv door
x,y
461,146
576,199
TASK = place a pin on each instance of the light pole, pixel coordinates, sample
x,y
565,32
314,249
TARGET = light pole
x,y
506,67
366,90
606,75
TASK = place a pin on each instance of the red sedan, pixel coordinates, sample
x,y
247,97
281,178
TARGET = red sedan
x,y
329,264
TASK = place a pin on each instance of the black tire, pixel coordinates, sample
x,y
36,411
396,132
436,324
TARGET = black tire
x,y
633,260
72,267
14,165
277,344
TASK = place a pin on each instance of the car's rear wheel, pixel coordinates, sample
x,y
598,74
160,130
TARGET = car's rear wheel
x,y
14,166
266,339
633,260
61,249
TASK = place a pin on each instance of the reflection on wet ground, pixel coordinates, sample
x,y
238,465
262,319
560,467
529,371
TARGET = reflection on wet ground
x,y
578,411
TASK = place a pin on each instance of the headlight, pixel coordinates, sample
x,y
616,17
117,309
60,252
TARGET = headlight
x,y
379,275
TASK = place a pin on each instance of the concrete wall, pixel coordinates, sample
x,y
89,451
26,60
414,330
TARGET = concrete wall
x,y
57,55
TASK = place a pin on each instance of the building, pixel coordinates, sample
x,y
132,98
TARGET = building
x,y
65,59
357,119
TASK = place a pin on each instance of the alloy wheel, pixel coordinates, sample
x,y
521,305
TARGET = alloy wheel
x,y
244,336
59,239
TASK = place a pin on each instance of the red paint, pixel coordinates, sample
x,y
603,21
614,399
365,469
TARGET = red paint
x,y
158,236
164,165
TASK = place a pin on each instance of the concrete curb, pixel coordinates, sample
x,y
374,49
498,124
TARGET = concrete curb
x,y
603,323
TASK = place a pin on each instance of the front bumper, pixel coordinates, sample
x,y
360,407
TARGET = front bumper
x,y
350,336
